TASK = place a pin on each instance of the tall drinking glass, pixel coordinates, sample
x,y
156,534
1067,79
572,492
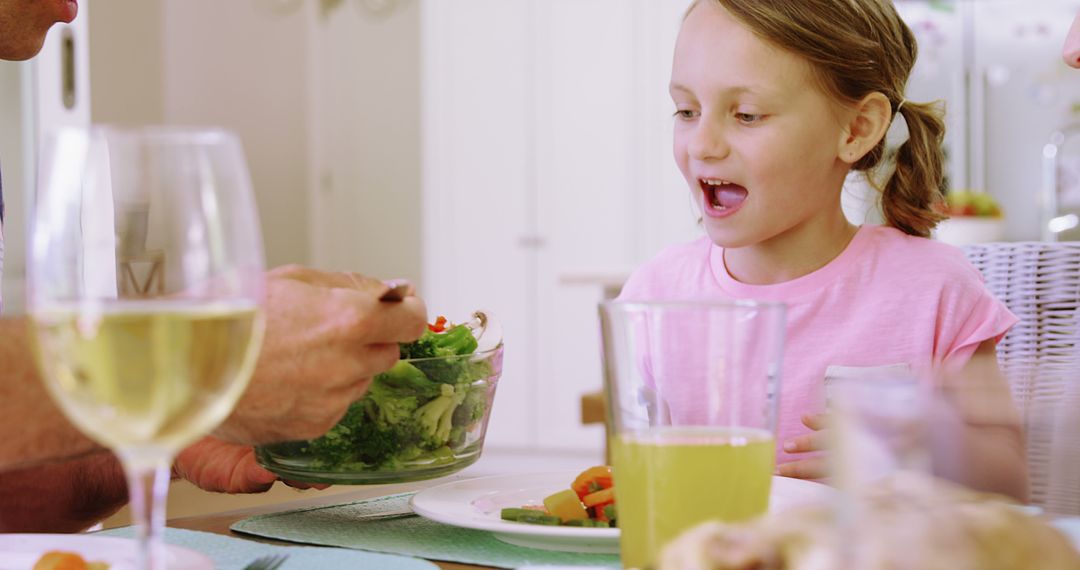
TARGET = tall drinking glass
x,y
146,280
903,448
692,393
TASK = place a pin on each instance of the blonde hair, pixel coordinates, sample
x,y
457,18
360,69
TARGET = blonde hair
x,y
855,48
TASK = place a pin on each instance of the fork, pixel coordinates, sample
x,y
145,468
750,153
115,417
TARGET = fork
x,y
394,514
268,562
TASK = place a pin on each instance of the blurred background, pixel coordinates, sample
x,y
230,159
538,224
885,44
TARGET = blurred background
x,y
512,155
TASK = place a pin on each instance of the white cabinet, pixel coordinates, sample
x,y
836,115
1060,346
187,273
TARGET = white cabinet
x,y
546,129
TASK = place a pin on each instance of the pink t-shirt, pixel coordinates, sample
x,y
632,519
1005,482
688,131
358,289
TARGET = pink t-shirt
x,y
889,301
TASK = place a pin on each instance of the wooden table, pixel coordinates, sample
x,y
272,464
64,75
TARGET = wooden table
x,y
219,523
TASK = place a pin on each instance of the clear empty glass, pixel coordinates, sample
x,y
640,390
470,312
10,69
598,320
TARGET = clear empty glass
x,y
904,449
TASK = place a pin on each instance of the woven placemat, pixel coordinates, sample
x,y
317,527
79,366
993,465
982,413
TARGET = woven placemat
x,y
344,525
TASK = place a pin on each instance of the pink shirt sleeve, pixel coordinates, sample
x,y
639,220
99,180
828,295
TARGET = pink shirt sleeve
x,y
969,316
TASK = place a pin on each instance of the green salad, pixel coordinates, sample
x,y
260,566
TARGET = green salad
x,y
420,411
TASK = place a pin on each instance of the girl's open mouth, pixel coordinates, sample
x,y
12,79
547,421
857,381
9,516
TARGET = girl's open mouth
x,y
722,198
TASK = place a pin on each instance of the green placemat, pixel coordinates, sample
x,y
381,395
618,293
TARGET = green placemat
x,y
229,553
343,525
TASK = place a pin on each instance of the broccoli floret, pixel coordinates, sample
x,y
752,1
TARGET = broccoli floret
x,y
423,347
405,379
376,444
474,405
457,341
375,430
457,436
433,419
337,446
389,407
471,371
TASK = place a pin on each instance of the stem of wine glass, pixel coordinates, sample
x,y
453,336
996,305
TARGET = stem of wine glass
x,y
148,485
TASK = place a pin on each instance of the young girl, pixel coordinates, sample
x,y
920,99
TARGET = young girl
x,y
776,102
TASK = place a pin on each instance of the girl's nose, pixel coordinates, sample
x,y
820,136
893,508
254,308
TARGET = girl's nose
x,y
1072,44
708,142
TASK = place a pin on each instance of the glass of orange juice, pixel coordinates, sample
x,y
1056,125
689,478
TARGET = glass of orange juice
x,y
692,395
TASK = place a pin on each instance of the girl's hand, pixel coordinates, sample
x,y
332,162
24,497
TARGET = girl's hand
x,y
813,467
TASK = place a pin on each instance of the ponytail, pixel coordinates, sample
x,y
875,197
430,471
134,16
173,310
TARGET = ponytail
x,y
911,193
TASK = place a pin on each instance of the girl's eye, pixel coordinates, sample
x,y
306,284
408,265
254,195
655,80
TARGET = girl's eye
x,y
685,114
748,118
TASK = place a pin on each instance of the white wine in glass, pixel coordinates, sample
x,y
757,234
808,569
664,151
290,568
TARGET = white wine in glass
x,y
146,285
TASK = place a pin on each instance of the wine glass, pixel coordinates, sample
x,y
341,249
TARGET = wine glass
x,y
145,292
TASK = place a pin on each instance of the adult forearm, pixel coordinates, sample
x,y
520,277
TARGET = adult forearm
x,y
34,428
62,497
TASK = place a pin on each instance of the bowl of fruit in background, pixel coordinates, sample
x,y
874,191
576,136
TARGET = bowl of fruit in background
x,y
974,217
424,418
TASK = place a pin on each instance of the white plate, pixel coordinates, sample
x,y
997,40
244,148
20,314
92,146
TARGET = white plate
x,y
1070,527
476,504
21,551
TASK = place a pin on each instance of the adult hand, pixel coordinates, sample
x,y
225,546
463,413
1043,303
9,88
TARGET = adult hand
x,y
327,335
812,467
223,467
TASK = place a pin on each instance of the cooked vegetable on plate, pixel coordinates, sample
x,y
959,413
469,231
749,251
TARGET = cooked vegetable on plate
x,y
61,560
589,502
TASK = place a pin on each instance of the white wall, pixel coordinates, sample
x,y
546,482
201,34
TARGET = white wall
x,y
365,151
235,64
126,63
326,104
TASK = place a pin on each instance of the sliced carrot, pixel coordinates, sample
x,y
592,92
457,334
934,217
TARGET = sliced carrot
x,y
59,560
600,475
599,498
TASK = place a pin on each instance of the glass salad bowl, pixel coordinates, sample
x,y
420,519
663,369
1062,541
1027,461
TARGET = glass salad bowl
x,y
424,418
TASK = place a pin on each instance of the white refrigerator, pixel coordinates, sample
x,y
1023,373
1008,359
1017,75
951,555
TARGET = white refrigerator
x,y
1013,106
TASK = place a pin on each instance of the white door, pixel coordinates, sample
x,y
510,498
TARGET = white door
x,y
546,160
479,175
364,93
50,90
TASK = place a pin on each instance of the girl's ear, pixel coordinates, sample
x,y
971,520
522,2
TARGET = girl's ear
x,y
867,123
